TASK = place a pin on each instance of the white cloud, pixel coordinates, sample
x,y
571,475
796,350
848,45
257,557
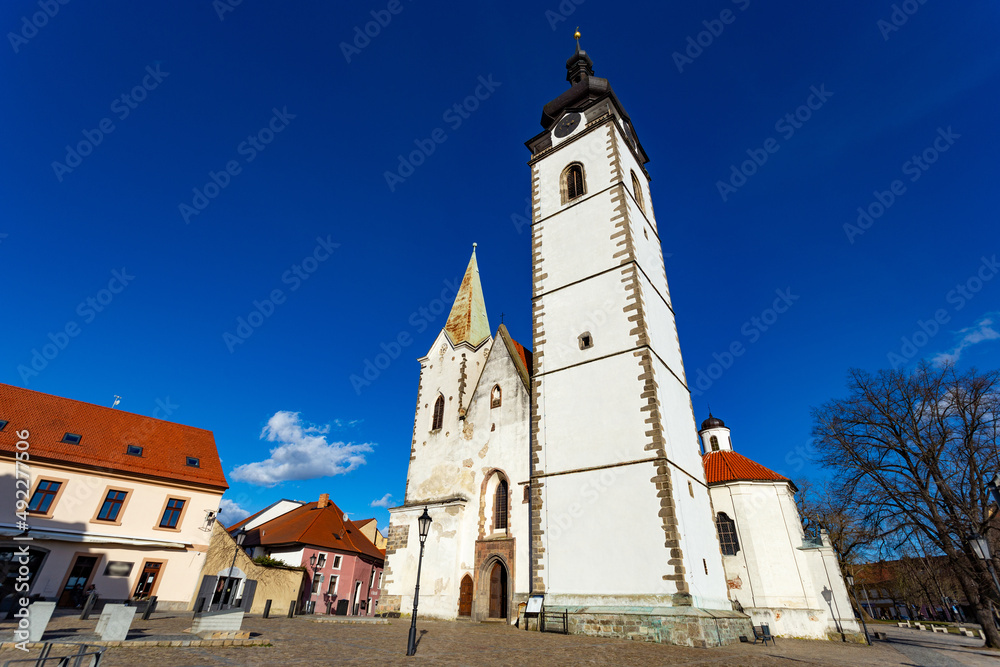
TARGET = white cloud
x,y
981,331
230,512
302,453
384,501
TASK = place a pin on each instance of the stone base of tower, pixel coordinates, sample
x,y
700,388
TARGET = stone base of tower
x,y
682,626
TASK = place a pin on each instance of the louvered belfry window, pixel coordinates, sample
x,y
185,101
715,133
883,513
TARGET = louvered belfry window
x,y
574,181
727,534
500,511
438,419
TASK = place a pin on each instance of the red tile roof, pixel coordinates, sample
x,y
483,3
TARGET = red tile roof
x,y
728,466
106,433
524,353
317,527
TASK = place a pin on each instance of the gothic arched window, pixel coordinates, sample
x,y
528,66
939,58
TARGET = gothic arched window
x,y
438,419
727,534
637,191
714,441
500,508
573,183
495,397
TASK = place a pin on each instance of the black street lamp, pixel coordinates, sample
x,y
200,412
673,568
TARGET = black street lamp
x,y
982,548
424,523
850,583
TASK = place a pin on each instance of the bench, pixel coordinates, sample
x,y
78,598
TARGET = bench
x,y
903,624
762,633
881,636
939,628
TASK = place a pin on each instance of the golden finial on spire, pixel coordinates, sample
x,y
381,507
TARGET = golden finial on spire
x,y
576,35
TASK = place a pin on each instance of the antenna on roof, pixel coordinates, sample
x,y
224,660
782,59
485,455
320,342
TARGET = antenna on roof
x,y
118,399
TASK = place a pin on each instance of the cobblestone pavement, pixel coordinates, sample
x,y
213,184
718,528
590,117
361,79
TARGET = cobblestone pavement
x,y
939,650
301,641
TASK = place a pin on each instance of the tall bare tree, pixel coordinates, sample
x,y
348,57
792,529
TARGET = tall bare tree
x,y
911,453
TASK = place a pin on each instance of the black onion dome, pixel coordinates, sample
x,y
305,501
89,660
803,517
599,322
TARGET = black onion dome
x,y
712,422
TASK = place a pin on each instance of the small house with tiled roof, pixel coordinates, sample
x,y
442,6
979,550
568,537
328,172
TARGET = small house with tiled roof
x,y
774,573
108,500
343,564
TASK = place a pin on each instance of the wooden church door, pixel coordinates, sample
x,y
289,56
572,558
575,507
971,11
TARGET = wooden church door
x,y
498,591
465,597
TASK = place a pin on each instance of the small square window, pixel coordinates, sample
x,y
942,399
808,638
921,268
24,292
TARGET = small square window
x,y
72,438
3,424
133,450
193,462
586,340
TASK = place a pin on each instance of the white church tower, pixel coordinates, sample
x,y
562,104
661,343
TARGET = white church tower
x,y
620,511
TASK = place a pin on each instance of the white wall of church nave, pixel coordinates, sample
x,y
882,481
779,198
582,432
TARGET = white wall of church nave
x,y
441,572
590,150
705,574
771,574
591,415
679,432
595,306
603,537
577,242
435,460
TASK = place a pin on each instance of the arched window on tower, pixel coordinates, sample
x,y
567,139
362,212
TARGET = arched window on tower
x,y
727,534
438,420
495,397
573,183
714,441
500,507
637,191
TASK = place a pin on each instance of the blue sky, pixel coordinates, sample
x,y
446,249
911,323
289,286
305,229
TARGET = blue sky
x,y
248,160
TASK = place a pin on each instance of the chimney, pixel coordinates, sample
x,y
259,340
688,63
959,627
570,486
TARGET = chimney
x,y
324,500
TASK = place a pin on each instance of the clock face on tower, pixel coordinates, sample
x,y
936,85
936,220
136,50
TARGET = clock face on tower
x,y
566,126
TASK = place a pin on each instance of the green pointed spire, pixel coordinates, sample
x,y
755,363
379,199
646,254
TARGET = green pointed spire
x,y
467,322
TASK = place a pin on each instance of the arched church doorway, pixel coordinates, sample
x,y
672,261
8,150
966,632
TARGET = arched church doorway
x,y
498,591
465,597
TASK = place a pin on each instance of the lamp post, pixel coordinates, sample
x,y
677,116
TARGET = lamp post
x,y
239,538
310,604
850,583
424,524
982,548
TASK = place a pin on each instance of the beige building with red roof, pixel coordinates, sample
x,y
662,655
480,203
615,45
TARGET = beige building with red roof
x,y
773,571
112,500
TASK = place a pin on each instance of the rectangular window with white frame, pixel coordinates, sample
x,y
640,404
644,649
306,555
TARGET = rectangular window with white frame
x,y
336,562
317,583
321,561
332,589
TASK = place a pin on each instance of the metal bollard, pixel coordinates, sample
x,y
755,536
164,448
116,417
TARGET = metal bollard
x,y
150,605
291,610
88,607
267,609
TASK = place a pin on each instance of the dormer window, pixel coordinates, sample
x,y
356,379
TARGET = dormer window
x,y
192,461
72,438
133,450
573,182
